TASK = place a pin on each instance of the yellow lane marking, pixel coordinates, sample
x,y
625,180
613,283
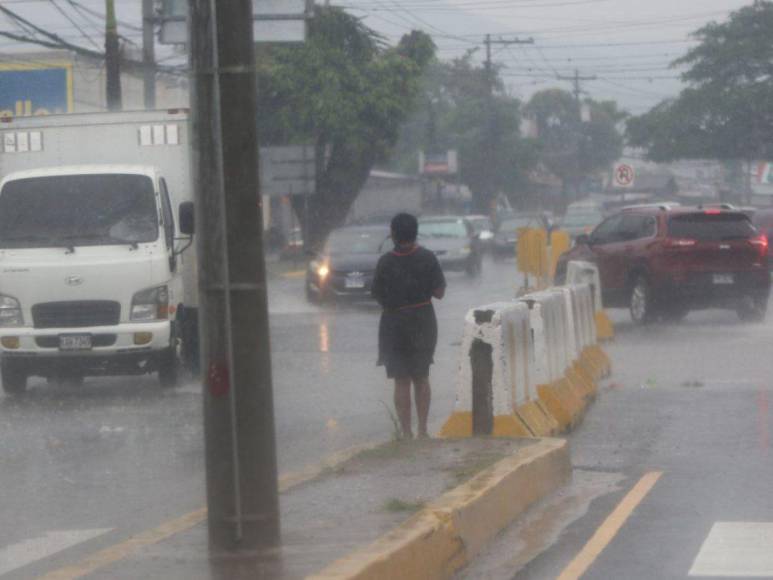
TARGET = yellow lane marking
x,y
117,552
294,274
122,550
608,530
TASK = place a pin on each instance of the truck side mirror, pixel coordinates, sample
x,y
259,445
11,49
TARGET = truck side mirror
x,y
187,219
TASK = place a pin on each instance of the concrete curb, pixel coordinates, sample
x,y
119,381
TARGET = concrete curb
x,y
451,531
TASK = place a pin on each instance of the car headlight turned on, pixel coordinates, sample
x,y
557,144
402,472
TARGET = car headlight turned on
x,y
151,304
10,312
321,270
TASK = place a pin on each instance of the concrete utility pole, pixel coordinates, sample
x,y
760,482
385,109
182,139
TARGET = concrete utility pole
x,y
492,129
242,491
148,55
576,80
112,58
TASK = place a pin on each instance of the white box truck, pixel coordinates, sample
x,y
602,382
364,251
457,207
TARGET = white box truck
x,y
97,268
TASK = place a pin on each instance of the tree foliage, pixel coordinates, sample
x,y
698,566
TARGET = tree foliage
x,y
726,112
458,112
570,147
345,91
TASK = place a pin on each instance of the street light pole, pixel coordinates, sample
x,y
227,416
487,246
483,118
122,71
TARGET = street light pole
x,y
242,491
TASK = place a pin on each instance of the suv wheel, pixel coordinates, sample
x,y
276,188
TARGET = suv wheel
x,y
14,377
753,309
674,313
641,303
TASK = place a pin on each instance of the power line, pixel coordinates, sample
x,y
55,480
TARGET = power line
x,y
75,24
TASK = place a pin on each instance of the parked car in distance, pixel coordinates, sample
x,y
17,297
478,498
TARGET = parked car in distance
x,y
454,242
663,261
292,246
345,267
484,229
506,237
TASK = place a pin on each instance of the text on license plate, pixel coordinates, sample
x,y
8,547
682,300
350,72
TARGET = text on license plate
x,y
723,279
355,282
75,342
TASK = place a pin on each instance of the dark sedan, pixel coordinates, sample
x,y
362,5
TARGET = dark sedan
x,y
345,268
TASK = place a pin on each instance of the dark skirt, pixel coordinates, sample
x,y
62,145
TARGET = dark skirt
x,y
406,342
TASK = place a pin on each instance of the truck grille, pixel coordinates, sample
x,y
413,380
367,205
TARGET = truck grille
x,y
76,314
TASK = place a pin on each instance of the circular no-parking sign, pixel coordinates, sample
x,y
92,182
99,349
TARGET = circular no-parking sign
x,y
624,175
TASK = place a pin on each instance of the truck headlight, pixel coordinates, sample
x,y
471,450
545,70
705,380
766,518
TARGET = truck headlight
x,y
151,304
10,312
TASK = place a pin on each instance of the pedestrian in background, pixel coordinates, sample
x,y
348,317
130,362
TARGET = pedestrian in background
x,y
406,280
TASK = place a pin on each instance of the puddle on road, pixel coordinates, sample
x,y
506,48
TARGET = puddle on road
x,y
541,526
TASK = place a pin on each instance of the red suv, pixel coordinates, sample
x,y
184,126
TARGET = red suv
x,y
662,261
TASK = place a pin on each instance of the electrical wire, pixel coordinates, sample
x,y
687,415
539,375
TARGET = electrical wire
x,y
75,24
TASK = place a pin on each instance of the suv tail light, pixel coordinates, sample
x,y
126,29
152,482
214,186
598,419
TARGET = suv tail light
x,y
678,243
761,243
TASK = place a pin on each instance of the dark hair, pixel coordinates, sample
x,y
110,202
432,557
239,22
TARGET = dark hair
x,y
405,228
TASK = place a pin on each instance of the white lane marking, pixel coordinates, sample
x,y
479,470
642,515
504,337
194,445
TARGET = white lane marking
x,y
28,551
740,549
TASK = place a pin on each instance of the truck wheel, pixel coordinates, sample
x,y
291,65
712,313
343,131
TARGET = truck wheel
x,y
14,378
168,368
641,303
189,334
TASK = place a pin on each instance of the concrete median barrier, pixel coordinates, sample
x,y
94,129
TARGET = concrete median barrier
x,y
578,272
452,530
528,367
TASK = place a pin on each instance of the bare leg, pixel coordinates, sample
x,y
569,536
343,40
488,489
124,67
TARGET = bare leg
x,y
403,406
423,398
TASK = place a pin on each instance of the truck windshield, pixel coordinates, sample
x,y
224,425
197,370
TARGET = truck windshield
x,y
78,210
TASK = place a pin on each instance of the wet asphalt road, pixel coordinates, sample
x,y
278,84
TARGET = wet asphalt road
x,y
88,467
95,464
694,402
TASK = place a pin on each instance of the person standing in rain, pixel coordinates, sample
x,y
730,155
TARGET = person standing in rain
x,y
406,280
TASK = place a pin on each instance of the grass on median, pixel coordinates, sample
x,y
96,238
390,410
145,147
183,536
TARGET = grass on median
x,y
396,505
470,467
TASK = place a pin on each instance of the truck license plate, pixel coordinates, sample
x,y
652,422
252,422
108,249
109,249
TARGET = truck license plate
x,y
355,282
75,342
723,279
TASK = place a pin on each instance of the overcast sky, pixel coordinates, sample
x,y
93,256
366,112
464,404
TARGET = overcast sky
x,y
626,44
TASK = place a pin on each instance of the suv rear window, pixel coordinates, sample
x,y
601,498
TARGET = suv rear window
x,y
711,227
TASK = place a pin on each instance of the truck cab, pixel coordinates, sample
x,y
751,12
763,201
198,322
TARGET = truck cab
x,y
90,274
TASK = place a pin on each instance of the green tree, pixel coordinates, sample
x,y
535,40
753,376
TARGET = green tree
x,y
570,147
726,112
458,112
345,91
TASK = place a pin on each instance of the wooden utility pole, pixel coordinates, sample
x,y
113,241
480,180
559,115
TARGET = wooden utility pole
x,y
112,58
148,55
492,131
